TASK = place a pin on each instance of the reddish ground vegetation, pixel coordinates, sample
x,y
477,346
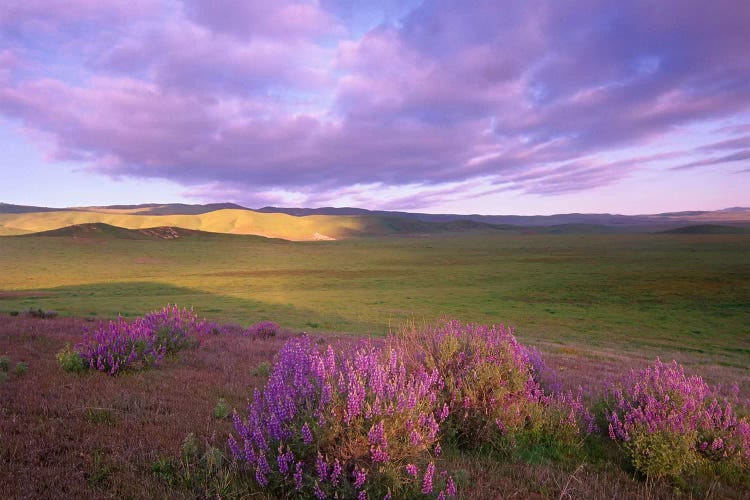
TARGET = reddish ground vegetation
x,y
94,435
90,434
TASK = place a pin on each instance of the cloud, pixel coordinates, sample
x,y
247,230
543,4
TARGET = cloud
x,y
247,19
289,102
39,17
739,156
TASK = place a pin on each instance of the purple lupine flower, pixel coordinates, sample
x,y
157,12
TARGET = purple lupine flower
x,y
321,467
362,495
444,413
234,448
450,487
378,454
376,433
284,460
336,473
414,438
306,434
319,494
298,476
412,470
360,476
260,477
427,480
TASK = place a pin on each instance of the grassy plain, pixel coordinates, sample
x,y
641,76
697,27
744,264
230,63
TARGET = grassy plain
x,y
596,305
676,296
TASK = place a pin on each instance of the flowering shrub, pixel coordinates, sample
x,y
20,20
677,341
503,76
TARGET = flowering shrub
x,y
343,423
668,422
174,326
369,420
121,344
492,390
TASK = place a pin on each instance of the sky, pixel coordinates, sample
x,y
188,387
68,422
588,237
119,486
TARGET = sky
x,y
495,107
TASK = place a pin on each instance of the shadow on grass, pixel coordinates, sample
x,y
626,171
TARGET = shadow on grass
x,y
134,298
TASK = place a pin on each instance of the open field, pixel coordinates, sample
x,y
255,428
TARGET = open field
x,y
595,305
668,295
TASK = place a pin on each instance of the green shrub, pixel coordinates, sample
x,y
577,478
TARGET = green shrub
x,y
4,363
101,470
70,360
202,470
21,369
663,454
189,447
165,470
103,416
262,370
221,410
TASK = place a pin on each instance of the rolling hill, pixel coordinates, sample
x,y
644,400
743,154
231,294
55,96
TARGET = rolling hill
x,y
708,229
328,223
99,230
230,221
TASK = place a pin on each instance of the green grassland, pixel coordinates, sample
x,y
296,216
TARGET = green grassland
x,y
665,293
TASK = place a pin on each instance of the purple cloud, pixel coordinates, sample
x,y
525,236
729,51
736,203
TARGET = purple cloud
x,y
288,102
249,19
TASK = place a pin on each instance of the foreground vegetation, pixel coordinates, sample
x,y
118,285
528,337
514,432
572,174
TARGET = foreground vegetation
x,y
417,414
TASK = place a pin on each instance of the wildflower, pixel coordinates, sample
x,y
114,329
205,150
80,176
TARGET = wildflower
x,y
307,437
298,476
360,476
427,480
336,474
321,467
450,487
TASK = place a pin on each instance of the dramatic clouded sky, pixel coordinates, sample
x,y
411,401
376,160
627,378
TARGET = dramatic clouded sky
x,y
533,106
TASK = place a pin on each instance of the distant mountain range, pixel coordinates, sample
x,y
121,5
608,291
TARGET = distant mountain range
x,y
741,214
335,223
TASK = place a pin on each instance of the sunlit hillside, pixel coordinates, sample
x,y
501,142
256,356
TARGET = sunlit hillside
x,y
231,221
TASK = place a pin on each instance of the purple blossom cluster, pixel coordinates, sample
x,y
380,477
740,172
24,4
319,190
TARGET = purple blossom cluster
x,y
355,413
120,345
661,404
343,417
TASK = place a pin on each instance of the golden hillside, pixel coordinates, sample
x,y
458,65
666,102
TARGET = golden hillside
x,y
271,225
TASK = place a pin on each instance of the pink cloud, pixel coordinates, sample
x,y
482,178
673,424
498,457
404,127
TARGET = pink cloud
x,y
52,15
248,19
283,100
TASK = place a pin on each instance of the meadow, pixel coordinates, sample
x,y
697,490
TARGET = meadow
x,y
595,305
664,294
